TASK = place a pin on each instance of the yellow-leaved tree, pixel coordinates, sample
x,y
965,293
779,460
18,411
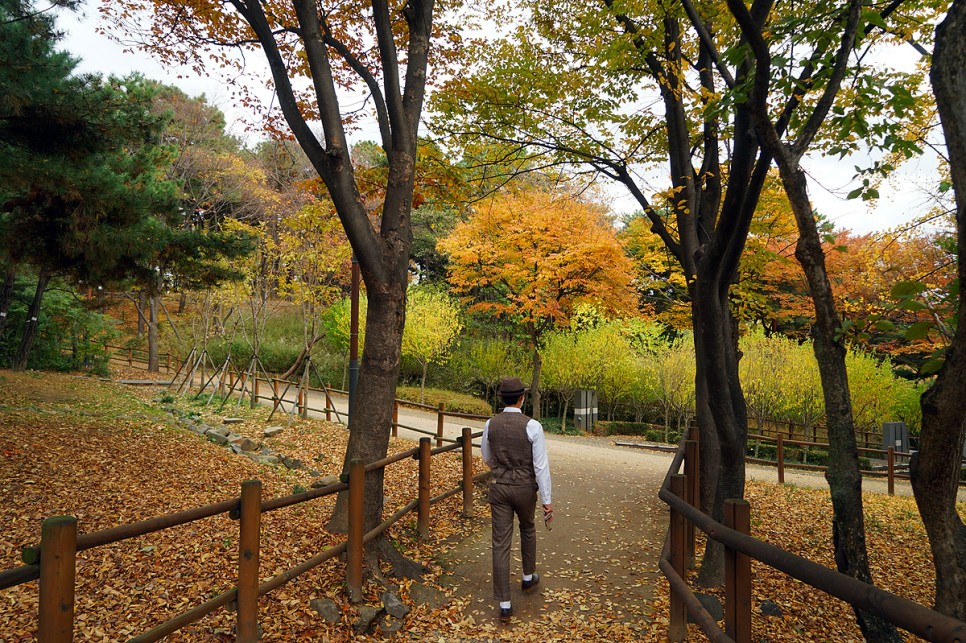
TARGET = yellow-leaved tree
x,y
527,258
433,323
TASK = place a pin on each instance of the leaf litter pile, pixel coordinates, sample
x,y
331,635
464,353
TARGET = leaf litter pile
x,y
109,455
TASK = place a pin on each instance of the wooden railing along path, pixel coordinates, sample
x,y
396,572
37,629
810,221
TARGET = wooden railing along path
x,y
53,562
895,465
279,393
681,489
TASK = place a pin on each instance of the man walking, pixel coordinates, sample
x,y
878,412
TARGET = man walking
x,y
514,448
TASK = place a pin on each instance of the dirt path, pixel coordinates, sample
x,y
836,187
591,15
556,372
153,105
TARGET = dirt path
x,y
601,556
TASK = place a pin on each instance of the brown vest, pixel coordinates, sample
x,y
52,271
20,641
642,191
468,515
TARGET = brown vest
x,y
511,450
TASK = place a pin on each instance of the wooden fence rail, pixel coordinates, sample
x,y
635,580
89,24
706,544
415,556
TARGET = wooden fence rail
x,y
229,382
54,560
678,492
895,467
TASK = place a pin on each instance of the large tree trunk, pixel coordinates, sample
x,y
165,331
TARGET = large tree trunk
x,y
843,474
721,412
6,294
372,409
936,467
31,322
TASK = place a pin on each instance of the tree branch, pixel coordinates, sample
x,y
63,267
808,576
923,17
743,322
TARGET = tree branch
x,y
708,42
817,117
390,76
363,72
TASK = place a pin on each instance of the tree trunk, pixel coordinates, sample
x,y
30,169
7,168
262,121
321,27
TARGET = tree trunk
x,y
6,294
31,322
935,469
535,383
843,475
721,411
372,411
182,302
152,324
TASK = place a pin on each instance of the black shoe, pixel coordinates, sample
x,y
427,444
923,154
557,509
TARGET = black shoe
x,y
530,584
506,613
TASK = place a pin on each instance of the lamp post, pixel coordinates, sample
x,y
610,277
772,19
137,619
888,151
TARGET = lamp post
x,y
354,337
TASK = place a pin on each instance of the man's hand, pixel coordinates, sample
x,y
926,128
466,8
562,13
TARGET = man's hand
x,y
548,513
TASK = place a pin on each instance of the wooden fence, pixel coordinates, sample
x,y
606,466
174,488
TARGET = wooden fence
x,y
279,392
53,562
788,431
867,439
681,489
894,463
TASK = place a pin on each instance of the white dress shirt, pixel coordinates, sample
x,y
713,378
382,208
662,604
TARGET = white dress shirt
x,y
541,464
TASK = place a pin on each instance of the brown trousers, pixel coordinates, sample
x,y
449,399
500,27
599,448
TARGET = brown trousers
x,y
505,502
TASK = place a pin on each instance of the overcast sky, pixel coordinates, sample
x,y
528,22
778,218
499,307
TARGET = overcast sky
x,y
902,199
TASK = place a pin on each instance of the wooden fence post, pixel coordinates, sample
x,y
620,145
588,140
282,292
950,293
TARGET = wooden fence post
x,y
130,357
440,419
357,530
250,522
691,470
891,461
738,575
422,506
678,613
395,418
467,441
58,551
254,399
781,459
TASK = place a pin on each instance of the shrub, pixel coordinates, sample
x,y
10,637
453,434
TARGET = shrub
x,y
456,402
553,425
70,336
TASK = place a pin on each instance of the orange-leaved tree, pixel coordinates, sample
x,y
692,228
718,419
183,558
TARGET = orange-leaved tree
x,y
527,258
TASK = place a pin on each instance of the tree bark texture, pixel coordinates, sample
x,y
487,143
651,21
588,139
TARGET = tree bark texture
x,y
723,405
22,356
371,413
843,474
936,467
